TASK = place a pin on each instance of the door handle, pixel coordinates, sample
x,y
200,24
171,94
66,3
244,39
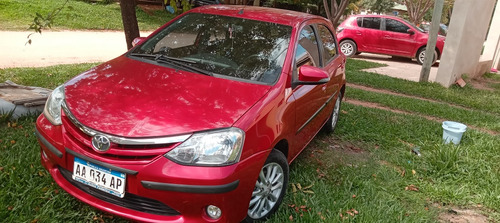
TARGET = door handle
x,y
358,33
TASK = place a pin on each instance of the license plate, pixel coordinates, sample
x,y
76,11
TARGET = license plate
x,y
102,178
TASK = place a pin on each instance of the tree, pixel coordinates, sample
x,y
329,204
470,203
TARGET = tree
x,y
129,19
378,6
335,9
417,9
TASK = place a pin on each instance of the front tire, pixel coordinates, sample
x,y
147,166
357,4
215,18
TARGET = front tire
x,y
270,188
332,121
348,48
421,56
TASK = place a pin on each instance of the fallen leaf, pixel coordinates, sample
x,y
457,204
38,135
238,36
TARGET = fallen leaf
x,y
10,208
299,187
13,125
1,168
305,188
290,218
413,172
354,196
303,207
343,112
403,173
355,212
34,221
350,213
12,142
294,189
411,187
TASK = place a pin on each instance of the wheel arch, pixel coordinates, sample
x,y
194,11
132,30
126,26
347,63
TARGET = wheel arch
x,y
283,147
415,55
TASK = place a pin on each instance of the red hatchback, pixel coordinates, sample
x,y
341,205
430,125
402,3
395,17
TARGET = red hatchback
x,y
383,34
198,122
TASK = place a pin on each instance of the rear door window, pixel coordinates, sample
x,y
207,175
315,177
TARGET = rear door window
x,y
369,22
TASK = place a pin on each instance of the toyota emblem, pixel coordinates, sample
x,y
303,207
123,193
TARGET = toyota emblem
x,y
101,143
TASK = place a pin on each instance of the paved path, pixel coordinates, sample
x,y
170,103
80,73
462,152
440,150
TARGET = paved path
x,y
397,67
64,47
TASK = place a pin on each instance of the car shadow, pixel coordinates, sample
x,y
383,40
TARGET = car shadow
x,y
382,58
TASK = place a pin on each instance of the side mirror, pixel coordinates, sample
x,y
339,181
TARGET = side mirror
x,y
411,32
309,75
138,40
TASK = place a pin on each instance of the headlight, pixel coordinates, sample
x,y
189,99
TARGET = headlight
x,y
214,148
52,109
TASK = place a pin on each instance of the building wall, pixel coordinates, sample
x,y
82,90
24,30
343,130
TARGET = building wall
x,y
492,46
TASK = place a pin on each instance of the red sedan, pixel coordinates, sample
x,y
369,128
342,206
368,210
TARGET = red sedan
x,y
384,34
199,121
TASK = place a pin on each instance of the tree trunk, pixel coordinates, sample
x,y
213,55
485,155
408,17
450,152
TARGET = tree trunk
x,y
129,19
334,11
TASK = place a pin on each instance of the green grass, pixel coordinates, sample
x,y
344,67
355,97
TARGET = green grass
x,y
363,169
467,96
439,110
48,77
18,14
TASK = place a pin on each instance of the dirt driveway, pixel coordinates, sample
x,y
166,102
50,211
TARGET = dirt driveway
x,y
64,47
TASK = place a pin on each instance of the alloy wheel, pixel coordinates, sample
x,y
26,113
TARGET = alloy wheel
x,y
267,191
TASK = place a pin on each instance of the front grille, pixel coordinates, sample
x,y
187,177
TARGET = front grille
x,y
117,153
130,201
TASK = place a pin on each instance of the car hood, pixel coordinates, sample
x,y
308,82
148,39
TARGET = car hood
x,y
130,98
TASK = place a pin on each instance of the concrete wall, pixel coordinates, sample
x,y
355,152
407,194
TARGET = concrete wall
x,y
464,42
492,46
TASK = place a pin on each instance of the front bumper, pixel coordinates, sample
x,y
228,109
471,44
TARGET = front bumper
x,y
157,190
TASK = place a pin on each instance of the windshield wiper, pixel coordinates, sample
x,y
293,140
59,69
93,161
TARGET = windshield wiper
x,y
179,62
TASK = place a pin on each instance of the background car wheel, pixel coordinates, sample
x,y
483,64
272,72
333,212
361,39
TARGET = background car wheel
x,y
270,188
349,48
421,56
332,121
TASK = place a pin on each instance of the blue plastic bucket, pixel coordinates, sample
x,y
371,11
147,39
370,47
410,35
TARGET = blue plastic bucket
x,y
453,131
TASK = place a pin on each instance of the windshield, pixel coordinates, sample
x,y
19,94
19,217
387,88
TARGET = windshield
x,y
223,46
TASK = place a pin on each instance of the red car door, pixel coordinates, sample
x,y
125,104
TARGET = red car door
x,y
314,103
369,34
396,39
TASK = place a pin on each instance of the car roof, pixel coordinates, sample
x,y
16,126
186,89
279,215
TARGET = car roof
x,y
280,16
381,16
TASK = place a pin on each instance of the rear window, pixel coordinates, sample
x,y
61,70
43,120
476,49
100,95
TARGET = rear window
x,y
369,22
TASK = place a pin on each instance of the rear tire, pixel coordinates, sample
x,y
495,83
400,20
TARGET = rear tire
x,y
270,188
348,48
421,56
334,117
